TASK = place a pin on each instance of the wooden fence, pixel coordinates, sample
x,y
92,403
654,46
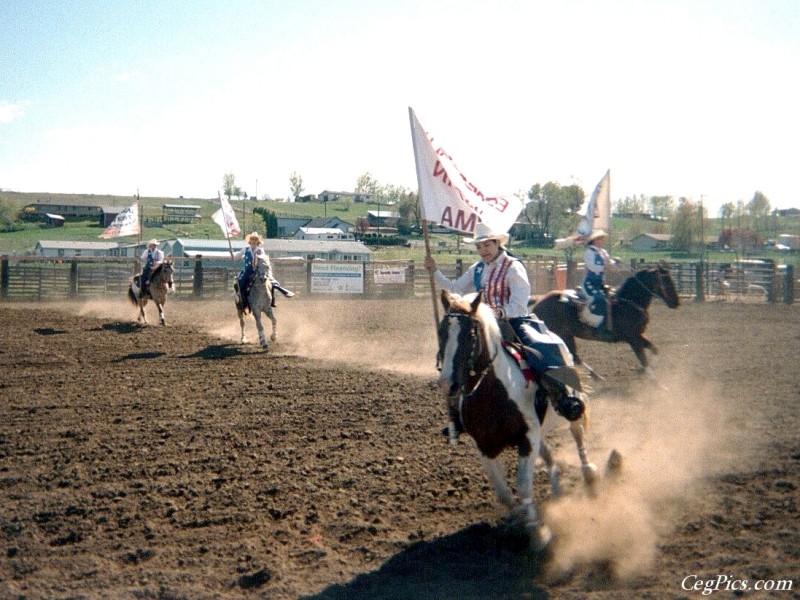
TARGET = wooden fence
x,y
47,279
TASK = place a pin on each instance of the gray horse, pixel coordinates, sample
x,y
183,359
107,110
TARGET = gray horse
x,y
161,284
260,300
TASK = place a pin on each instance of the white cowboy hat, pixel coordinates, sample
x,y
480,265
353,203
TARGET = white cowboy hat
x,y
256,235
483,233
596,234
153,242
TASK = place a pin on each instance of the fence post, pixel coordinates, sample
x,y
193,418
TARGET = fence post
x,y
788,285
73,279
197,280
308,277
459,267
572,274
4,277
700,294
410,292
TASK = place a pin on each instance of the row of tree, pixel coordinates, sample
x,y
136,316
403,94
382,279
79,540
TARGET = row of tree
x,y
552,211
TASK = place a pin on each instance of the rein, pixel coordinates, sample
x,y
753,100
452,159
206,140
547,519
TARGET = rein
x,y
650,291
475,352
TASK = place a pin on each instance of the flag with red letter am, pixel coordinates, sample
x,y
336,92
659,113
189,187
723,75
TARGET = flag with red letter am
x,y
226,218
125,223
447,197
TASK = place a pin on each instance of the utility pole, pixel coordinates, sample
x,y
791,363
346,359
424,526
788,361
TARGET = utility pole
x,y
701,273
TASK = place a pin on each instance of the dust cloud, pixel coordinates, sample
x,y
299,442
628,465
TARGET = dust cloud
x,y
672,435
398,336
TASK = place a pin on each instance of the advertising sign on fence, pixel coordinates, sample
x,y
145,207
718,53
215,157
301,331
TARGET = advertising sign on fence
x,y
337,278
390,275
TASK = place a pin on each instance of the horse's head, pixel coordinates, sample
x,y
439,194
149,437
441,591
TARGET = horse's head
x,y
462,340
664,286
168,271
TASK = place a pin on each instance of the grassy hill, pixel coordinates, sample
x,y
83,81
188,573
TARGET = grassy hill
x,y
21,242
152,207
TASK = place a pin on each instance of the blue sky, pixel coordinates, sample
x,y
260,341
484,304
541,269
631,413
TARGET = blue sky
x,y
682,98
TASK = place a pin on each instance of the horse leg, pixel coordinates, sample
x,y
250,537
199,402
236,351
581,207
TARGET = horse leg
x,y
262,339
553,471
496,473
243,339
142,314
161,318
540,534
271,315
569,340
588,469
638,347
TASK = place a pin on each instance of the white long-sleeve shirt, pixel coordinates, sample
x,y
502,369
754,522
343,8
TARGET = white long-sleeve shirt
x,y
504,281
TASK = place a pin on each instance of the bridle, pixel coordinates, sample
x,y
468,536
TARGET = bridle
x,y
659,289
166,271
475,350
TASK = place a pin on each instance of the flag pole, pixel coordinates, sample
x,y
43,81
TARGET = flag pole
x,y
431,279
141,216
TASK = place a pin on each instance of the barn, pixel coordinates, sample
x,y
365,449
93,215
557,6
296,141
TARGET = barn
x,y
323,233
337,250
64,248
651,241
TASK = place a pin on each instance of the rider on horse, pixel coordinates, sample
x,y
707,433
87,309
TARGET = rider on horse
x,y
506,288
252,254
596,259
152,257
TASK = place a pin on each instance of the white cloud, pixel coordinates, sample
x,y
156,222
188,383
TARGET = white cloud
x,y
127,76
10,112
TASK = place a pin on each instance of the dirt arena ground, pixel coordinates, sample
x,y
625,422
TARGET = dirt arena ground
x,y
175,463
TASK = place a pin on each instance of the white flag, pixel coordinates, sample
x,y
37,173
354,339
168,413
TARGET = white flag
x,y
125,223
226,218
595,214
448,197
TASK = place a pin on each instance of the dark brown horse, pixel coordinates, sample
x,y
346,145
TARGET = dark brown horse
x,y
490,396
629,315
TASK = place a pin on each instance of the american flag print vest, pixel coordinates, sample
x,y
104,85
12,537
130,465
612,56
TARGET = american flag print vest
x,y
496,292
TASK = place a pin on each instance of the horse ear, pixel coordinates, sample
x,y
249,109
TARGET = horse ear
x,y
478,299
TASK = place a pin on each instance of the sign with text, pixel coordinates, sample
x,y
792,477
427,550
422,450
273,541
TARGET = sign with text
x,y
337,278
390,275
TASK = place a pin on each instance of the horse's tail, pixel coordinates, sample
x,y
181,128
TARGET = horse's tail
x,y
132,297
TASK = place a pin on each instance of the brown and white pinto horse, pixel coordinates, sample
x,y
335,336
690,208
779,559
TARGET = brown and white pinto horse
x,y
488,393
161,284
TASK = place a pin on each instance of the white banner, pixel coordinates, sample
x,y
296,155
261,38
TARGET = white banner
x,y
226,218
447,197
596,214
597,211
125,223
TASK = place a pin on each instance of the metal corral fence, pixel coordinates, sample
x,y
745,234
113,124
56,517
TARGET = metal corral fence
x,y
45,279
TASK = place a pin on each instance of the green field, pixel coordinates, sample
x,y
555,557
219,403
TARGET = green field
x,y
445,246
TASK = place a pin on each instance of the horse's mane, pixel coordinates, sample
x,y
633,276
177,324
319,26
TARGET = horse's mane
x,y
483,315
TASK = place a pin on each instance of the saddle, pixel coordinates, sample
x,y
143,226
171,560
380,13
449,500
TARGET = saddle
x,y
578,298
